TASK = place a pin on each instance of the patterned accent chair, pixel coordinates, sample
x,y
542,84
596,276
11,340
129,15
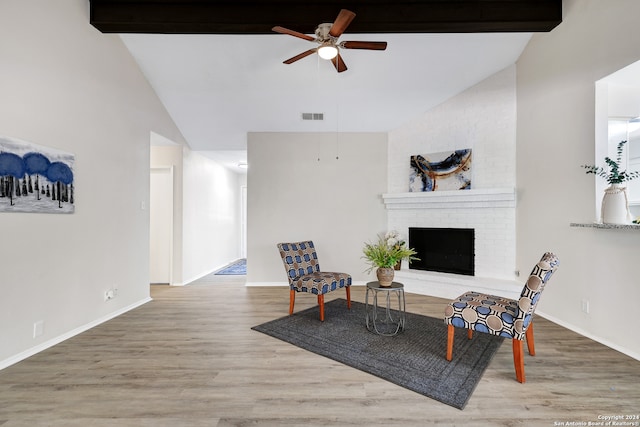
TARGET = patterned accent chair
x,y
303,271
501,316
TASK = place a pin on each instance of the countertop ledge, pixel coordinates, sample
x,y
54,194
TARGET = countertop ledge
x,y
606,226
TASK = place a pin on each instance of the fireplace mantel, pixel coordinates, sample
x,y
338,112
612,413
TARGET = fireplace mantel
x,y
480,198
489,211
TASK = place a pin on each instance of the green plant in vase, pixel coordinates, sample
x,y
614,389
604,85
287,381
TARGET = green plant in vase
x,y
385,254
615,204
612,174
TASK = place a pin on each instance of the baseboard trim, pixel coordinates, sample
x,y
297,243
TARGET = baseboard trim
x,y
258,284
60,338
586,334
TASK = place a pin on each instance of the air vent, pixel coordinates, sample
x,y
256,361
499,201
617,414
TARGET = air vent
x,y
312,116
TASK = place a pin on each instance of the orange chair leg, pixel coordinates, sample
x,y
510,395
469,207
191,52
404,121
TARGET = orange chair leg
x,y
292,300
518,360
450,333
321,304
348,297
530,342
469,333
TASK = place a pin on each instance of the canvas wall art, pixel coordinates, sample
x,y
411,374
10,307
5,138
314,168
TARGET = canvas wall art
x,y
34,178
441,171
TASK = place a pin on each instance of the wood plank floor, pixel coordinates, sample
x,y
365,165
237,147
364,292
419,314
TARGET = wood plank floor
x,y
189,358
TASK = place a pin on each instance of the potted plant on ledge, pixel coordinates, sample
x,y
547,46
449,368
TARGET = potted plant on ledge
x,y
385,254
615,205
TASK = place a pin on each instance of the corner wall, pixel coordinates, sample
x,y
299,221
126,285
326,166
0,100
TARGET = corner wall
x,y
67,86
556,134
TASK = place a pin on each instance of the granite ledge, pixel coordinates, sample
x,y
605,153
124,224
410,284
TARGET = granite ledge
x,y
606,226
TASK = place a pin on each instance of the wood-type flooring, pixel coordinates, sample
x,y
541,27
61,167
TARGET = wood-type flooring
x,y
190,358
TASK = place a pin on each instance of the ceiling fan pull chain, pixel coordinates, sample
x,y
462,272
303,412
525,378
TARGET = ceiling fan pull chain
x,y
337,130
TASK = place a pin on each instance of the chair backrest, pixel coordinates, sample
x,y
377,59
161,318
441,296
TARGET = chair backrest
x,y
299,258
532,290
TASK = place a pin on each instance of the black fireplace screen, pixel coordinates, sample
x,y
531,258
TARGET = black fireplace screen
x,y
446,250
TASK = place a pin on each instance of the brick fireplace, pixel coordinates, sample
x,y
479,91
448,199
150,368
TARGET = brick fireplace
x,y
489,212
482,118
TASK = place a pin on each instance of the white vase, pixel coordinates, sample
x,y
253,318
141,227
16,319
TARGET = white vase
x,y
615,205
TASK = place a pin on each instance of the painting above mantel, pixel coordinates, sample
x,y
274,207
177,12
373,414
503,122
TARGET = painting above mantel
x,y
440,171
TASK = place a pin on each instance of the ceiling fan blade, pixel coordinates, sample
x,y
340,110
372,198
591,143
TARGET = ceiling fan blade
x,y
364,45
283,30
341,23
300,56
339,63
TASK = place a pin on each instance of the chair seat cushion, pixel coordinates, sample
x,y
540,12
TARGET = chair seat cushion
x,y
320,282
485,313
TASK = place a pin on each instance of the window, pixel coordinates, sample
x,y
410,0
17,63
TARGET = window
x,y
618,119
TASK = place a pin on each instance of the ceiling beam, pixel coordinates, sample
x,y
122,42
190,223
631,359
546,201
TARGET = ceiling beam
x,y
373,16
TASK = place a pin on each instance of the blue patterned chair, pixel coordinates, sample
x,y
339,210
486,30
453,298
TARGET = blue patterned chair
x,y
303,271
501,316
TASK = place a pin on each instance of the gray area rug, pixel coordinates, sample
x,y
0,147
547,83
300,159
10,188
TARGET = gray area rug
x,y
414,359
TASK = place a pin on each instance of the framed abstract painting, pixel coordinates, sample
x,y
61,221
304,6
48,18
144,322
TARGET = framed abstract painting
x,y
440,171
34,178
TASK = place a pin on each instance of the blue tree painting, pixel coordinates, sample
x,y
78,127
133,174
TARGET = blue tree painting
x,y
36,164
441,171
35,178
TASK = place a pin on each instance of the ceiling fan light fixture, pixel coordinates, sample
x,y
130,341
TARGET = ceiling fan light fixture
x,y
327,51
327,35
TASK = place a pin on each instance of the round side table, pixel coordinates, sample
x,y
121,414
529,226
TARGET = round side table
x,y
387,317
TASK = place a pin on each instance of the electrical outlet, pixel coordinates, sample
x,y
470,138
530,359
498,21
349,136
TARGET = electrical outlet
x,y
110,293
585,306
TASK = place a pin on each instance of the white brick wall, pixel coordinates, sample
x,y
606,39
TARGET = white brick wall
x,y
482,118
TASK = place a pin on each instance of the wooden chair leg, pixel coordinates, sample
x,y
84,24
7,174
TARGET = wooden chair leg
x,y
321,304
518,360
348,288
292,300
530,342
450,334
469,333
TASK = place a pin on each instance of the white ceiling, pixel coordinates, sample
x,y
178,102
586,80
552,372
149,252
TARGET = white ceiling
x,y
219,87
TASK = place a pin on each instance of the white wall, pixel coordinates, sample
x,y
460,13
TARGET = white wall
x,y
482,118
211,216
67,86
292,196
555,135
206,212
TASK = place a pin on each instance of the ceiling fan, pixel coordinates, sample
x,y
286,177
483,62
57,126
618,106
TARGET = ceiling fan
x,y
327,35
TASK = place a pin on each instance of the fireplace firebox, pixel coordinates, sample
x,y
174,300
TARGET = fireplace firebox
x,y
445,250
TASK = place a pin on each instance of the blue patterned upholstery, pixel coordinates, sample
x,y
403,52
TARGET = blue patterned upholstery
x,y
501,316
303,273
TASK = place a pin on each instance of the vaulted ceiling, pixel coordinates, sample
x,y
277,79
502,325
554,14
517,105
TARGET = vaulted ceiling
x,y
217,65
